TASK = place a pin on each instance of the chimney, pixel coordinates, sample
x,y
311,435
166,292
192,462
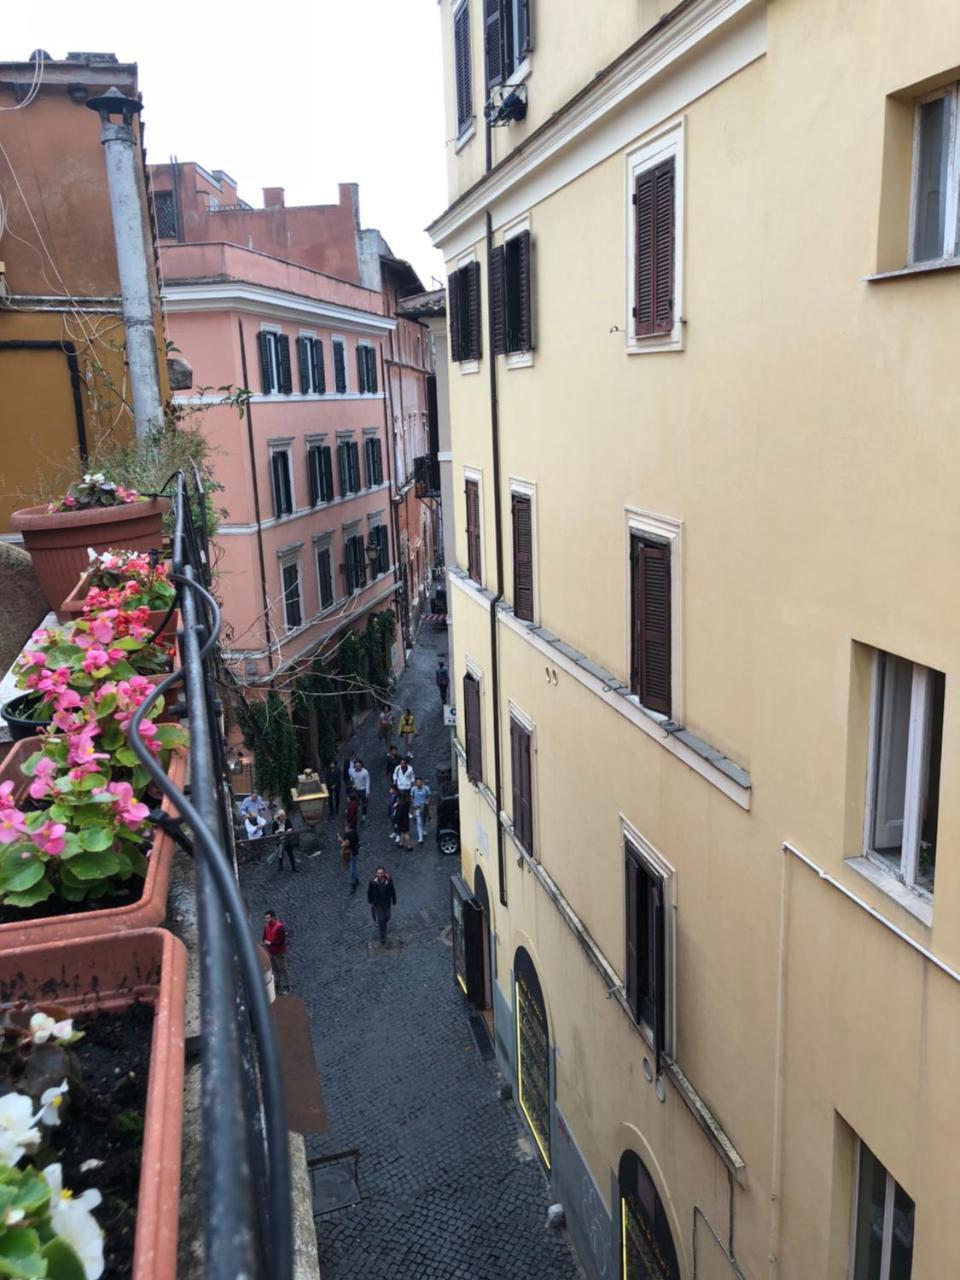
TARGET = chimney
x,y
273,197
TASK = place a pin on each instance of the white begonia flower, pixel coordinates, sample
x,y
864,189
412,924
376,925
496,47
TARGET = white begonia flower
x,y
51,1101
72,1220
17,1132
42,1027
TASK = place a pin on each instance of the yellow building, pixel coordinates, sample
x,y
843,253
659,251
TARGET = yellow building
x,y
702,315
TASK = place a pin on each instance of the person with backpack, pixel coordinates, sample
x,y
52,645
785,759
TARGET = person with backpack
x,y
381,895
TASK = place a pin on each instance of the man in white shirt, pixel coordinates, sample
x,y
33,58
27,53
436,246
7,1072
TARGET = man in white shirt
x,y
360,778
403,775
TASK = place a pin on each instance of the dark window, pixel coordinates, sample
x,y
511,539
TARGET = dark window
x,y
471,727
883,1222
286,376
325,577
269,361
653,200
166,214
320,472
510,304
348,463
533,1052
522,557
282,489
355,567
648,1248
366,369
381,540
292,612
462,66
464,313
650,623
646,950
310,362
507,37
520,771
339,367
373,458
472,491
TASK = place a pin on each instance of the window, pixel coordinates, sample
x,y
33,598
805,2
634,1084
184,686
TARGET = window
x,y
348,464
881,1245
320,472
340,366
166,214
646,947
282,486
471,727
310,360
274,349
474,568
936,170
355,567
380,538
366,369
462,67
647,1247
373,459
292,611
463,303
522,510
650,615
654,245
533,1052
521,778
903,793
510,295
325,576
506,37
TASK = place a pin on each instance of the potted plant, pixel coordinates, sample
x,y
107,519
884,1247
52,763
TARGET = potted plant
x,y
94,512
120,580
108,1013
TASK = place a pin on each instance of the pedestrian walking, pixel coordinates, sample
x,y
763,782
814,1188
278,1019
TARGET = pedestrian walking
x,y
442,678
420,798
401,820
275,944
403,776
254,804
385,723
360,779
349,856
254,824
351,814
283,827
347,767
381,895
407,728
393,759
332,779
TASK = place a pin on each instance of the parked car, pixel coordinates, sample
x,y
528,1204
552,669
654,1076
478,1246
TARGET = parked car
x,y
448,825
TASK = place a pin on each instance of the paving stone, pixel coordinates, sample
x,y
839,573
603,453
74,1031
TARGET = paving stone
x,y
446,1188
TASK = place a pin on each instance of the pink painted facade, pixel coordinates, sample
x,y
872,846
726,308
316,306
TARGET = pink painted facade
x,y
298,517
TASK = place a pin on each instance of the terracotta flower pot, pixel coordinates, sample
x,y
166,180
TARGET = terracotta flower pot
x,y
150,908
58,541
109,972
72,606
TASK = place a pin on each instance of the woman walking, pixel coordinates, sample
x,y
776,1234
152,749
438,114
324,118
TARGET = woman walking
x,y
401,819
407,728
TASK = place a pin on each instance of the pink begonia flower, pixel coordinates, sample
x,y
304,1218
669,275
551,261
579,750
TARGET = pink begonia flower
x,y
116,655
69,500
67,721
69,700
96,659
41,635
43,777
32,680
49,838
6,797
102,629
52,683
139,632
148,731
12,825
34,658
130,812
81,750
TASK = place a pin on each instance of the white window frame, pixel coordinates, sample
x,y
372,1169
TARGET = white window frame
x,y
362,342
324,542
659,866
951,219
890,1191
527,489
285,560
475,474
521,359
284,446
273,349
667,530
515,712
314,389
337,338
668,141
920,705
522,69
470,366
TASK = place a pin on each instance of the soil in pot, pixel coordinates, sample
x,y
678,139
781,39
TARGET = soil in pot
x,y
105,1121
129,892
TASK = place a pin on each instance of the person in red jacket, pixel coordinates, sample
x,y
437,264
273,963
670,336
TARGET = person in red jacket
x,y
275,944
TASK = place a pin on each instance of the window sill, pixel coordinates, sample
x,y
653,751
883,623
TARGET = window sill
x,y
915,269
519,359
469,366
672,341
920,907
522,73
465,137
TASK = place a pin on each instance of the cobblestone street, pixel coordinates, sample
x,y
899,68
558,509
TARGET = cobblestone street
x,y
448,1179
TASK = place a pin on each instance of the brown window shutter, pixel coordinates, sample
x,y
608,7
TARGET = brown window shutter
x,y
316,359
266,374
643,249
303,363
651,674
493,40
633,957
461,43
498,286
654,249
472,493
522,558
663,247
471,716
453,314
524,307
473,343
286,379
521,785
658,988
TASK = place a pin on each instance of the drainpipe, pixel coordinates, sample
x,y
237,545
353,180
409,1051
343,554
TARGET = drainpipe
x,y
264,595
121,156
498,529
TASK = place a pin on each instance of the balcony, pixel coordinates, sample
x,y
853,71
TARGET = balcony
x,y
426,476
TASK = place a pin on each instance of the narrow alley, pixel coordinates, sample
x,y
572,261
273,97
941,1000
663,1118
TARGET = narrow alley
x,y
449,1182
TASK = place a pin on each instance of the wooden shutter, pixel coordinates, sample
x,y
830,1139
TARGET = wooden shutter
x,y
313,474
526,28
303,364
522,557
453,314
356,483
643,250
377,462
493,40
471,727
472,493
316,357
650,590
498,289
326,474
266,373
632,887
283,359
654,240
339,368
277,485
462,67
520,782
473,344
371,353
325,576
524,334
343,468
361,369
658,988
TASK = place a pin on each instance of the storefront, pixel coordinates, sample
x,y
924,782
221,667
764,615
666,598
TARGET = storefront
x,y
647,1249
533,1052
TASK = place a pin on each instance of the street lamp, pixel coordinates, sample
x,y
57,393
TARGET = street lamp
x,y
373,555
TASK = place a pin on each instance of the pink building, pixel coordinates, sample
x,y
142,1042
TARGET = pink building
x,y
306,551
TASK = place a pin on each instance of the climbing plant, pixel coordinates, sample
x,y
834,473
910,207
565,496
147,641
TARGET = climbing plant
x,y
268,730
312,711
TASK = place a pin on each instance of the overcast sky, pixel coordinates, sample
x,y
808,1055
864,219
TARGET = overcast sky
x,y
295,95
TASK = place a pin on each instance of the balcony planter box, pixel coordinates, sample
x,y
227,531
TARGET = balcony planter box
x,y
108,973
148,910
18,711
58,540
72,606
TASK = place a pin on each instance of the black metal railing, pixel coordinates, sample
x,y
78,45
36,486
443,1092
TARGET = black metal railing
x,y
426,476
246,1169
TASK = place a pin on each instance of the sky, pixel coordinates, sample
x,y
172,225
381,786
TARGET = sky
x,y
293,95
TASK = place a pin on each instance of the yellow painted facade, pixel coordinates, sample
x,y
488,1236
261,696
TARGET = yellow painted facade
x,y
800,437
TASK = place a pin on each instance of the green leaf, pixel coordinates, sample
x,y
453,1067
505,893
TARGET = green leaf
x,y
61,1261
123,671
29,765
125,756
32,1191
40,892
138,863
129,643
99,865
94,839
90,781
22,875
106,705
20,1254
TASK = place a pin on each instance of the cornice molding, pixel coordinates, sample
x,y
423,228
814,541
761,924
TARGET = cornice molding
x,y
236,295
